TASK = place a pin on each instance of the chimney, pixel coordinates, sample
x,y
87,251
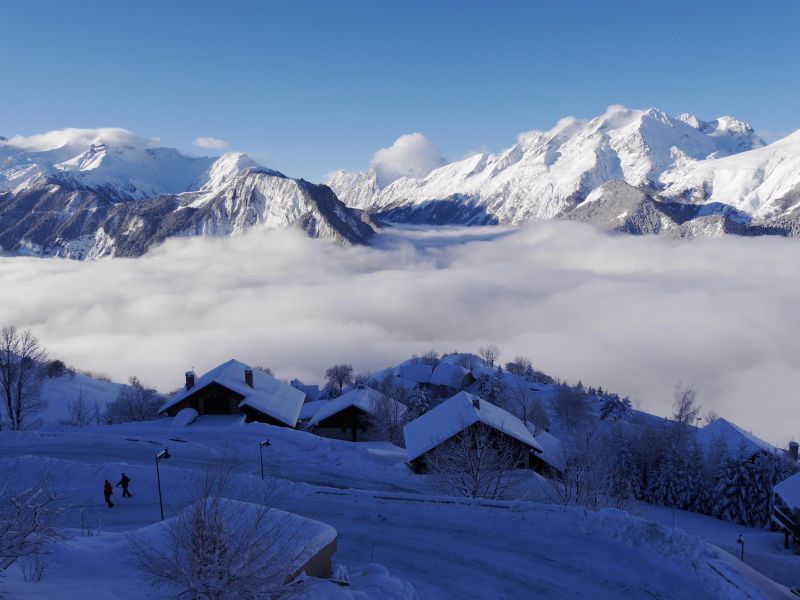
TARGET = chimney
x,y
476,402
248,377
189,379
794,447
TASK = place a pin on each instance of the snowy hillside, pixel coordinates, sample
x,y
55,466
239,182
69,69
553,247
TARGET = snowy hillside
x,y
443,547
395,533
705,168
89,193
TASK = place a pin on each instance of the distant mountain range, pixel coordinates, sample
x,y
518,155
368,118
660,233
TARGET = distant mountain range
x,y
639,171
89,193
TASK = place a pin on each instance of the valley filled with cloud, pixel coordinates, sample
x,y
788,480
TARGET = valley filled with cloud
x,y
633,314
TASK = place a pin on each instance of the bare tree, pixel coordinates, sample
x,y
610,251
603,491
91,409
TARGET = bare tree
x,y
134,403
710,417
478,462
264,369
21,375
79,412
27,520
520,400
388,418
431,357
521,365
570,407
537,414
220,549
339,376
685,408
584,479
685,412
489,354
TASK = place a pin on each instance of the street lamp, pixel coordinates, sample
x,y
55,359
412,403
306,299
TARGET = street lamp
x,y
261,454
741,541
163,454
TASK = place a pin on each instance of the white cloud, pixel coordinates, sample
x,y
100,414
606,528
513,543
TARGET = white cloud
x,y
633,314
210,143
411,155
79,138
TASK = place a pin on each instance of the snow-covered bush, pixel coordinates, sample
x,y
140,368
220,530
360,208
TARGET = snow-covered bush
x,y
221,549
185,417
27,522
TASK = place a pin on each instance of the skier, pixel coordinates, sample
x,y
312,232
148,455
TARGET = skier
x,y
124,483
107,491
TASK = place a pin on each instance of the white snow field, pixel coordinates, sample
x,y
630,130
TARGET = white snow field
x,y
444,547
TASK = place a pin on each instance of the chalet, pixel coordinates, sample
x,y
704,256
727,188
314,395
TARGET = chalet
x,y
457,414
352,415
236,388
786,514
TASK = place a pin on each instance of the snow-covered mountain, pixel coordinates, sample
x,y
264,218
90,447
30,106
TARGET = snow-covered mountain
x,y
87,193
763,183
695,169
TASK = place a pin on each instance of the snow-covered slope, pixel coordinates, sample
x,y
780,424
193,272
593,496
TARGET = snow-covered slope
x,y
88,193
762,183
547,173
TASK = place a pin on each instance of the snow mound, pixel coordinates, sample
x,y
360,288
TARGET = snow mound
x,y
368,582
185,417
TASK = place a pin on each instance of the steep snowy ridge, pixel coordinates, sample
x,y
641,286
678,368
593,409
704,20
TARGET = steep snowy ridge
x,y
762,183
106,192
547,174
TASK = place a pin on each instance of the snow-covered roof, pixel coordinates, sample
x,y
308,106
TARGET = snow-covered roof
x,y
482,370
268,395
553,450
736,439
416,372
789,490
448,374
310,408
456,414
312,392
364,398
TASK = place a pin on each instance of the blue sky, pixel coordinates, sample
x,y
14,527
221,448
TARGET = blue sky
x,y
308,87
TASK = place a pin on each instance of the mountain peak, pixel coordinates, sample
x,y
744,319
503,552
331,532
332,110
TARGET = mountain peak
x,y
547,173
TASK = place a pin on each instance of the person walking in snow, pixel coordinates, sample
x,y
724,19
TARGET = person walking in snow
x,y
124,483
107,491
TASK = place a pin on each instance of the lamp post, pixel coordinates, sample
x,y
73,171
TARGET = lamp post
x,y
261,455
163,454
741,541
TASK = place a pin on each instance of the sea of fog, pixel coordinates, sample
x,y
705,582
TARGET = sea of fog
x,y
633,314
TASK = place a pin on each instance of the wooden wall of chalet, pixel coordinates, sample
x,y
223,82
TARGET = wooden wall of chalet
x,y
419,464
213,399
349,424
